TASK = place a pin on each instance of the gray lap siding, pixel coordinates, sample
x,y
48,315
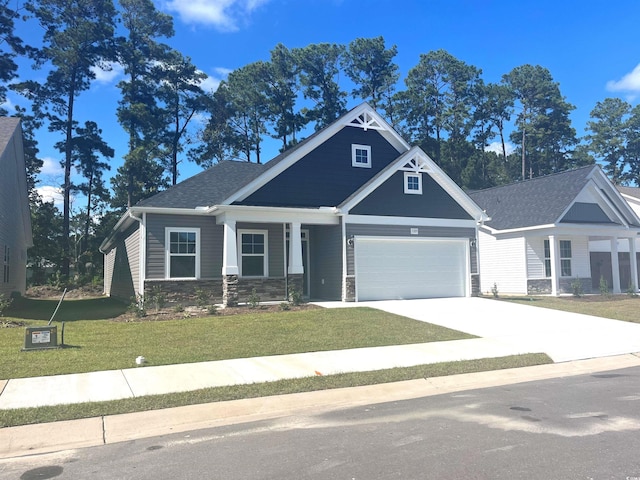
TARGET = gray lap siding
x,y
325,248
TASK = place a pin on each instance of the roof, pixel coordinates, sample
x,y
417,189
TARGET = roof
x,y
207,188
539,201
630,191
8,127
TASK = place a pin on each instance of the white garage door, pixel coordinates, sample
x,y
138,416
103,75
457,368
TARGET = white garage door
x,y
400,268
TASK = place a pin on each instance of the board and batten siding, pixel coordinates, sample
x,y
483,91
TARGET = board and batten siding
x,y
502,262
401,231
211,244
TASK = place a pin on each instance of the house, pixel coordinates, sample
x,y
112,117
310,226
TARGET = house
x,y
352,213
553,233
15,218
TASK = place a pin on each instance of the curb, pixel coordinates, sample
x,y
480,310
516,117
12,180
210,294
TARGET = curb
x,y
52,437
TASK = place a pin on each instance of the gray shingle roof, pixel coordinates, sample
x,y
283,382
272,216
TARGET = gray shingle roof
x,y
631,191
206,188
8,126
539,201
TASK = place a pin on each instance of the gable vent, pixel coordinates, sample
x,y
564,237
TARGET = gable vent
x,y
366,121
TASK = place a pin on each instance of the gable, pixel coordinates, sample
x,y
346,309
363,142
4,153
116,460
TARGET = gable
x,y
581,212
325,176
389,199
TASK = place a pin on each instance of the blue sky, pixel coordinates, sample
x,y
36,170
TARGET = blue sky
x,y
591,48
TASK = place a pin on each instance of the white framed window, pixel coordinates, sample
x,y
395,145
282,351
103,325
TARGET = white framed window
x,y
413,183
547,259
565,258
360,156
253,248
182,247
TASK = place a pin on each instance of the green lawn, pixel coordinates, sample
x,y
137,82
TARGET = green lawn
x,y
617,307
95,341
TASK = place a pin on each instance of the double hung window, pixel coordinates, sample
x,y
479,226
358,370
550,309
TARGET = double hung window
x,y
183,252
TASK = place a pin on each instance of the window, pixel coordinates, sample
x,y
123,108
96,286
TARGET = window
x,y
565,258
253,253
6,263
183,252
547,259
361,156
413,183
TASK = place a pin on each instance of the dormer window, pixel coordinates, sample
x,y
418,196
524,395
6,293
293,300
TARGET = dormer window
x,y
413,183
361,156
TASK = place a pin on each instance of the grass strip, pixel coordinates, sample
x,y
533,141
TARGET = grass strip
x,y
25,416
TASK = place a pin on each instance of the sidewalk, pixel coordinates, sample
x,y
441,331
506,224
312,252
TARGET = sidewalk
x,y
53,437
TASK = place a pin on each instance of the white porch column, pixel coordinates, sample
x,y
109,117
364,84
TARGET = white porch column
x,y
634,263
555,264
295,250
230,249
615,265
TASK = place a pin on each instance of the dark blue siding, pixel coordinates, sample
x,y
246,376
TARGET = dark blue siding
x,y
325,177
389,199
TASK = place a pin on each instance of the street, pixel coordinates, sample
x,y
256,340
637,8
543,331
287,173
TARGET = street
x,y
581,427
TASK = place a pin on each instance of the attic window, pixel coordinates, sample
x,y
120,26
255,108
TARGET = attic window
x,y
412,183
361,156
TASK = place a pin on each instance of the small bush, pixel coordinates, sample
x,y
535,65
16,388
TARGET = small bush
x,y
158,298
494,290
254,299
604,286
4,303
202,297
212,309
178,308
137,306
284,306
295,297
577,288
631,291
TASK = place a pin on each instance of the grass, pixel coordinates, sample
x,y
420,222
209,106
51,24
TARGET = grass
x,y
26,416
617,307
95,341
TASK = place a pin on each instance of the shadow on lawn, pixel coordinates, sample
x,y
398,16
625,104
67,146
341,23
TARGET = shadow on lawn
x,y
69,311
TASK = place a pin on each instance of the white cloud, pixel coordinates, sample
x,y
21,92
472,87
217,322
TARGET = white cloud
x,y
628,83
211,83
51,194
51,167
108,74
497,148
221,14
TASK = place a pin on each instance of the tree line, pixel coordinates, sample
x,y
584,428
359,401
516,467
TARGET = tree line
x,y
443,105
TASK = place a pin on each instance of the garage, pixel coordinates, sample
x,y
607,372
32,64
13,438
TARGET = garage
x,y
402,268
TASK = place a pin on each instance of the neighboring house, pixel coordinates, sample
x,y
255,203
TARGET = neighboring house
x,y
15,219
548,232
351,213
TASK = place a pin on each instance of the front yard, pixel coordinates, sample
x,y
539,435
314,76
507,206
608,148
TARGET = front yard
x,y
617,307
100,336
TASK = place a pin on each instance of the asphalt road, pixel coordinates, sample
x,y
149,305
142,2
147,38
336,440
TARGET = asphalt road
x,y
581,427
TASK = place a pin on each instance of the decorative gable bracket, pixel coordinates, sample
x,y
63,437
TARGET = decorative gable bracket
x,y
366,121
417,164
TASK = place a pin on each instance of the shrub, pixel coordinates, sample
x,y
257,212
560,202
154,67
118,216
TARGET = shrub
x,y
604,286
4,303
295,297
254,299
212,309
137,306
284,306
631,291
202,297
158,298
178,308
494,290
576,288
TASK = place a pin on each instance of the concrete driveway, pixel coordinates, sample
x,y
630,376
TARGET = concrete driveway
x,y
563,336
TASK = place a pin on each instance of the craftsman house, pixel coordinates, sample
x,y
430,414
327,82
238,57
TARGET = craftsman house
x,y
15,219
352,213
555,233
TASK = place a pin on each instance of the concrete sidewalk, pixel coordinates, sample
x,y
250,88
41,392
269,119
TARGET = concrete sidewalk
x,y
59,436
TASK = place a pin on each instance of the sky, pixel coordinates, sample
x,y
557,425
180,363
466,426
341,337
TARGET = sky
x,y
590,47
